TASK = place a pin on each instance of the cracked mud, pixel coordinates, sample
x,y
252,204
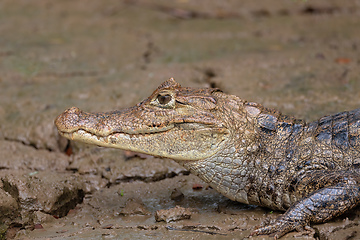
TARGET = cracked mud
x,y
301,57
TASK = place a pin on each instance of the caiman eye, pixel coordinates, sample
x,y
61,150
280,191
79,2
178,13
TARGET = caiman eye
x,y
164,99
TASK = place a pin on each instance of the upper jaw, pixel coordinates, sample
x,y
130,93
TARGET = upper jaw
x,y
93,137
75,121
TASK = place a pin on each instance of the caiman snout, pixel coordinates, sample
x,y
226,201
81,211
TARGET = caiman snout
x,y
74,119
106,123
69,120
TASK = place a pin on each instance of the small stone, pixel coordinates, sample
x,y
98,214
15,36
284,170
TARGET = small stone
x,y
173,214
108,226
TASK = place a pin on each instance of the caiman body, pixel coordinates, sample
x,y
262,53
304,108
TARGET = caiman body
x,y
247,152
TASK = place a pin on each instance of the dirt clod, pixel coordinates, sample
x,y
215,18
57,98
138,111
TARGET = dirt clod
x,y
173,214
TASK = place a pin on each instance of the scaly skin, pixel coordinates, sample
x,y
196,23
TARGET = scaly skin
x,y
247,152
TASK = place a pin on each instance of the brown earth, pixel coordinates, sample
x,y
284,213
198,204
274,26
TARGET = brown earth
x,y
301,57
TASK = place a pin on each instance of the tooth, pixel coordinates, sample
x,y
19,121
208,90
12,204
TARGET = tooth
x,y
106,139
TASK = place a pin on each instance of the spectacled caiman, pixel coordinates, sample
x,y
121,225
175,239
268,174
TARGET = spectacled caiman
x,y
249,153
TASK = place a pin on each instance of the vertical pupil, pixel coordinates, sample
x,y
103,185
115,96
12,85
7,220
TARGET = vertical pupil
x,y
164,99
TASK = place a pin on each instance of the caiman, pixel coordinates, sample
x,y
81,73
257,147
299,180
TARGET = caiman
x,y
249,153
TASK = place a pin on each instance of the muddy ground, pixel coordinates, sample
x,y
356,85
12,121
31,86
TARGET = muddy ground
x,y
301,57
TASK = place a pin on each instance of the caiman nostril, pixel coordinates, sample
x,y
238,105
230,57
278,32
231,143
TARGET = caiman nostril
x,y
68,120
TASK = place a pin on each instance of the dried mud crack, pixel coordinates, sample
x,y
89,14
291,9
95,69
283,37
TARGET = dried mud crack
x,y
155,178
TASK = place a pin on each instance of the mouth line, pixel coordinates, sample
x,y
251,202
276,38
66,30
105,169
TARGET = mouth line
x,y
180,126
84,134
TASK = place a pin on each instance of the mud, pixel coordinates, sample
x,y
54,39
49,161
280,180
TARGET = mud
x,y
301,57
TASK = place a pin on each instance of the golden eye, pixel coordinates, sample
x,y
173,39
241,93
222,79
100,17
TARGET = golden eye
x,y
164,99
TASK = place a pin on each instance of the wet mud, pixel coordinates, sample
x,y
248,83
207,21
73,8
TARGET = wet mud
x,y
300,57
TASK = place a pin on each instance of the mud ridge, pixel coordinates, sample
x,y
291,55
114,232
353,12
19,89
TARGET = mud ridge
x,y
157,177
186,14
193,229
26,143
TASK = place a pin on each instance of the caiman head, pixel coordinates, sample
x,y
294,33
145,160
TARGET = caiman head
x,y
174,122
